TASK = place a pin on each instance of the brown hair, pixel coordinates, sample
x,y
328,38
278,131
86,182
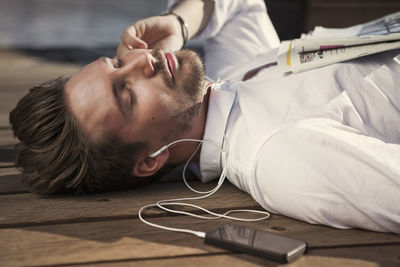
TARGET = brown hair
x,y
54,155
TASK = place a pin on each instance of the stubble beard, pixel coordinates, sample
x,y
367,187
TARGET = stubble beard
x,y
193,89
194,83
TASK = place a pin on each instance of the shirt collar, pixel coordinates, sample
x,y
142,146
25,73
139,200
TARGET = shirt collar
x,y
219,107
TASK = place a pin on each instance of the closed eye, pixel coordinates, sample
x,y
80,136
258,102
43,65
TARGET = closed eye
x,y
118,64
124,97
130,98
130,102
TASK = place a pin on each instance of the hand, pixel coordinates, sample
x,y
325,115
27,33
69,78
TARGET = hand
x,y
154,32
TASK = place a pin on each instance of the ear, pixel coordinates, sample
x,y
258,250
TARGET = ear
x,y
147,166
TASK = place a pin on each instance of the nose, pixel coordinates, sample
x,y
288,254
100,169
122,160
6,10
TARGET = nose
x,y
137,62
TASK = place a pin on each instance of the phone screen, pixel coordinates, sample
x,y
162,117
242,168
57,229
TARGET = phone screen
x,y
260,243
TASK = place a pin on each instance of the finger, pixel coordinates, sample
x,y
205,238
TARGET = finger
x,y
130,39
171,43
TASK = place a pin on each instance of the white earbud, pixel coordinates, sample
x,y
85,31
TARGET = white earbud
x,y
163,204
158,152
161,150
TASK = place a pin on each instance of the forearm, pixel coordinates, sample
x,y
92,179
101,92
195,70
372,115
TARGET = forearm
x,y
195,13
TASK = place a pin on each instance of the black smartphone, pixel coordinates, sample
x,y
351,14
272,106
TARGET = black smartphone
x,y
267,245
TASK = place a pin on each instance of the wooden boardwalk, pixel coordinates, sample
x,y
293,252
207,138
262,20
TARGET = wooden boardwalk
x,y
104,229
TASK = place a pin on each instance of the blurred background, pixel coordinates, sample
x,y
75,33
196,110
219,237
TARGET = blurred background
x,y
96,24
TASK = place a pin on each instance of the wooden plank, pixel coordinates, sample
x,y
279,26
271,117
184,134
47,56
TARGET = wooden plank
x,y
100,241
28,209
10,181
7,156
9,96
7,139
19,72
318,236
127,240
213,260
7,142
368,256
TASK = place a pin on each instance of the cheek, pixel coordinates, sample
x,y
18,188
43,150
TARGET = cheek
x,y
154,103
156,106
153,126
153,110
152,115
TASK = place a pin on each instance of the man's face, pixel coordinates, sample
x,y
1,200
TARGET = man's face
x,y
145,96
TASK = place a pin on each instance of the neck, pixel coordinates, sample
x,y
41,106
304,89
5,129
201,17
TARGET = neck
x,y
181,152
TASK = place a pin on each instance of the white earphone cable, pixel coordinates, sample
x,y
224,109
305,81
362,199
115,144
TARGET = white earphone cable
x,y
162,204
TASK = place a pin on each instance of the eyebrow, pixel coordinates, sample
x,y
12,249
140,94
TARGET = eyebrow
x,y
117,99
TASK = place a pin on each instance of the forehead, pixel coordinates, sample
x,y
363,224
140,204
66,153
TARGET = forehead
x,y
89,97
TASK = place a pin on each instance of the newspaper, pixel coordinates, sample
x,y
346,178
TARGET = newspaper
x,y
325,46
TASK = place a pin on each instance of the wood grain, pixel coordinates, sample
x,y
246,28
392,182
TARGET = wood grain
x,y
213,260
384,258
383,255
124,205
28,209
101,241
7,139
10,181
7,152
131,240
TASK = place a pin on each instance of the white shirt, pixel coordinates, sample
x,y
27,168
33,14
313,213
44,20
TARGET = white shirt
x,y
320,146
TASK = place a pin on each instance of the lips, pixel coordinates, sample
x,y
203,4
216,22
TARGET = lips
x,y
171,63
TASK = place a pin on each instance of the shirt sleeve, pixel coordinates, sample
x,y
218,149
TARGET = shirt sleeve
x,y
236,32
323,172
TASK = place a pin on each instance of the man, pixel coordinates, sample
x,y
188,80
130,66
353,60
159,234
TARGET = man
x,y
321,146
